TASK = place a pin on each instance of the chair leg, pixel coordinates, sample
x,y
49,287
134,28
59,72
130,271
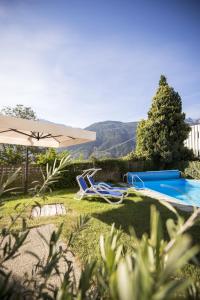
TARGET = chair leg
x,y
111,202
79,196
126,194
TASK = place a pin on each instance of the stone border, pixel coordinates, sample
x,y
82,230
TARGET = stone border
x,y
48,210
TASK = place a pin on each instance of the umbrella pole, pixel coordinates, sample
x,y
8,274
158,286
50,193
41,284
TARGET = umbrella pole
x,y
26,173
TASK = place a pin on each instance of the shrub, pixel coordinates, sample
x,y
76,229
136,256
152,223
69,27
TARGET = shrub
x,y
193,170
112,170
49,157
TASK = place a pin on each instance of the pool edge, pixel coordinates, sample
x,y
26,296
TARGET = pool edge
x,y
160,196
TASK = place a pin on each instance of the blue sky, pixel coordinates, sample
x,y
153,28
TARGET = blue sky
x,y
79,62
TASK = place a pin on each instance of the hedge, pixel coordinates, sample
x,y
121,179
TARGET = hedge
x,y
112,170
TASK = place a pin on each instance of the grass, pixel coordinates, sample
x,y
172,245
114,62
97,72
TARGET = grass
x,y
134,211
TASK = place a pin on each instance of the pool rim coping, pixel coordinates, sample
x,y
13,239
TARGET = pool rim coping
x,y
168,198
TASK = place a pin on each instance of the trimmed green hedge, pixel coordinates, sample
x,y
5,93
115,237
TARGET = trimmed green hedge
x,y
112,170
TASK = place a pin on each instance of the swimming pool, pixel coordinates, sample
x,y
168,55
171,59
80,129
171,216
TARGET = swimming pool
x,y
169,183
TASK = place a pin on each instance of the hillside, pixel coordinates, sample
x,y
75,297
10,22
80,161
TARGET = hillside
x,y
114,139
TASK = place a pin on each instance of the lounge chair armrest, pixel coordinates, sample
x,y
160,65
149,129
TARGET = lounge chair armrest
x,y
104,184
102,187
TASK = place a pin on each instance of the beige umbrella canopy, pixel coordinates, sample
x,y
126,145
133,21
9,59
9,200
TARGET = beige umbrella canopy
x,y
24,132
41,133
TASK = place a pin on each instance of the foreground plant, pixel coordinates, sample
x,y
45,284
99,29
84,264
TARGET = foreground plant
x,y
50,177
11,239
6,182
46,274
147,270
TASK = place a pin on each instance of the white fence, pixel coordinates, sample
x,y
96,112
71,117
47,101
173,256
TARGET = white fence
x,y
193,140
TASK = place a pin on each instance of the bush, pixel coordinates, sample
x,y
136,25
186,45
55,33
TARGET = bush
x,y
49,157
112,170
193,170
134,156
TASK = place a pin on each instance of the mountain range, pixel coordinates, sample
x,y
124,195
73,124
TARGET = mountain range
x,y
193,121
114,139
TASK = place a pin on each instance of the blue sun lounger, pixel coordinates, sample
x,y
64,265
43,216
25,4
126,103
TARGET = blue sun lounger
x,y
105,186
112,197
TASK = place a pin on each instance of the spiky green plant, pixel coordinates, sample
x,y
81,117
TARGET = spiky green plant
x,y
148,271
53,174
5,183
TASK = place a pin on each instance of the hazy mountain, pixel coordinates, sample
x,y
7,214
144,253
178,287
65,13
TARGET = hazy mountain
x,y
114,139
192,121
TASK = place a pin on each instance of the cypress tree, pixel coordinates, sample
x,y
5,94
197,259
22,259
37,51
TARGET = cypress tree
x,y
161,137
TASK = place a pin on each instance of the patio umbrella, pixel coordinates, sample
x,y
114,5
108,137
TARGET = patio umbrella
x,y
40,134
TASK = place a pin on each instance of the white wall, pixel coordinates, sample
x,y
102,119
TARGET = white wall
x,y
193,141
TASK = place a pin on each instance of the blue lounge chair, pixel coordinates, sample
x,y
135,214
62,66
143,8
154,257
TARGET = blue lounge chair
x,y
105,186
107,195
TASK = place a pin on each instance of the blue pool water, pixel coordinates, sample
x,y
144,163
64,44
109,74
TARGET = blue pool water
x,y
184,190
169,183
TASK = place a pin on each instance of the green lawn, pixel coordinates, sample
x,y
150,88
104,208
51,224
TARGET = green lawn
x,y
134,212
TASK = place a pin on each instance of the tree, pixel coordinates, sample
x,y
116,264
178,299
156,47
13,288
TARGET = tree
x,y
50,155
161,137
19,111
15,154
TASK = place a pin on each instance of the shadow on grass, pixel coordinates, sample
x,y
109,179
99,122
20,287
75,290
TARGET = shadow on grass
x,y
137,215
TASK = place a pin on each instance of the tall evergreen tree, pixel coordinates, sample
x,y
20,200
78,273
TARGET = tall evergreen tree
x,y
161,137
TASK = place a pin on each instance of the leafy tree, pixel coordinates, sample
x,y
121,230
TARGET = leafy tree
x,y
19,111
15,154
161,137
49,156
10,154
80,157
141,139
